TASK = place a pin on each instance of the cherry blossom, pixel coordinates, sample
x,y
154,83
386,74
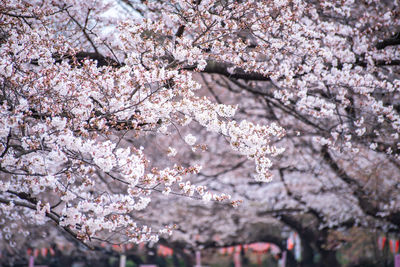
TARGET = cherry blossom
x,y
106,120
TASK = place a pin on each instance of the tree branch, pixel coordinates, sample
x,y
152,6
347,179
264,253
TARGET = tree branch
x,y
51,215
214,67
363,198
389,42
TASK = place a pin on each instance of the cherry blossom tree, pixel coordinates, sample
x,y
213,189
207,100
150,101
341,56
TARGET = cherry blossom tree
x,y
67,116
109,121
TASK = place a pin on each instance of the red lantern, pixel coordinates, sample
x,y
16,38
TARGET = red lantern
x,y
222,251
36,252
164,251
381,242
44,252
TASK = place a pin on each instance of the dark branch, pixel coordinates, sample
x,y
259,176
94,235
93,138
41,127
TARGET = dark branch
x,y
180,31
389,42
99,58
79,57
214,67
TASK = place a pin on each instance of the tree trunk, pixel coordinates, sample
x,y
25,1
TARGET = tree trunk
x,y
328,258
307,254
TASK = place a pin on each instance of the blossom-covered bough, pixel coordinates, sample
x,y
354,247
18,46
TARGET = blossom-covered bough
x,y
67,116
100,113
